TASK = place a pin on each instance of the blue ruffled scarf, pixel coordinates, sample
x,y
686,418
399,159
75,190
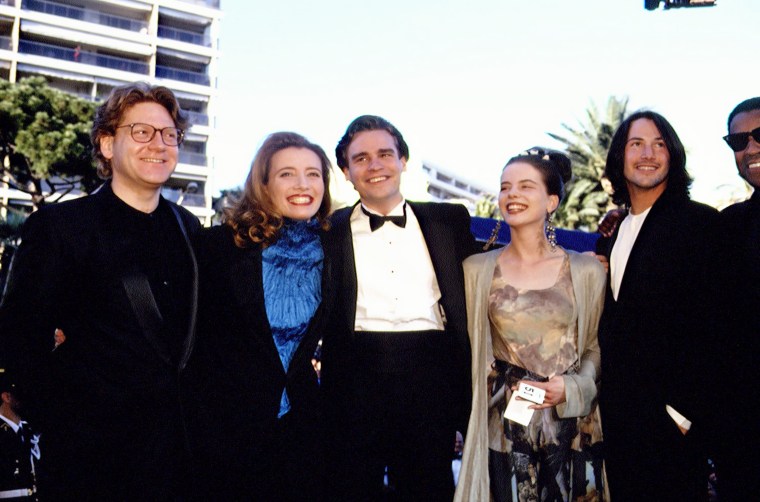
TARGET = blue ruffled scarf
x,y
292,268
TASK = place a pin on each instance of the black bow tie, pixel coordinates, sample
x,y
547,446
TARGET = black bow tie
x,y
376,221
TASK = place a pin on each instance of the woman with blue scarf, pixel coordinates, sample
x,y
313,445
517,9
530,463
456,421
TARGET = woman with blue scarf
x,y
256,432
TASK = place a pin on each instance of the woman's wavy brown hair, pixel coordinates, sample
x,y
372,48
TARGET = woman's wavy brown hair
x,y
254,218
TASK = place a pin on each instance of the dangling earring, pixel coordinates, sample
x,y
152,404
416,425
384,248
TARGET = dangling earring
x,y
551,235
493,237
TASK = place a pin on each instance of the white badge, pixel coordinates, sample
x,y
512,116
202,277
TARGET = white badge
x,y
518,409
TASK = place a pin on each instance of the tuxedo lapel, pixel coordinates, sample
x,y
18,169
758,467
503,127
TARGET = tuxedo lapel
x,y
189,341
433,234
144,306
114,245
247,282
344,269
317,322
653,230
438,244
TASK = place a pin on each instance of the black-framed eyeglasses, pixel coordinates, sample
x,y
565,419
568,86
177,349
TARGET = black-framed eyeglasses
x,y
144,133
738,141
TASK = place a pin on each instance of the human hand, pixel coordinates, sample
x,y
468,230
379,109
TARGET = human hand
x,y
610,222
602,259
555,392
58,337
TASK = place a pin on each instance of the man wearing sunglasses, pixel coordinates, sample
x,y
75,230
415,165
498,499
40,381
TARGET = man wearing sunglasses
x,y
114,274
738,320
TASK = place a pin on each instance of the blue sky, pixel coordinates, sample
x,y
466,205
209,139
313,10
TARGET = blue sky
x,y
471,83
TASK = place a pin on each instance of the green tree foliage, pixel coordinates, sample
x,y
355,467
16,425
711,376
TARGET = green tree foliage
x,y
487,207
11,221
586,200
226,198
45,140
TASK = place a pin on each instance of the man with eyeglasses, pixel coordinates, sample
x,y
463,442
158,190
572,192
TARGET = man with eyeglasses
x,y
738,323
115,273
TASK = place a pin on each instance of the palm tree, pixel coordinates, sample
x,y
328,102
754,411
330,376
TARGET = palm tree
x,y
586,199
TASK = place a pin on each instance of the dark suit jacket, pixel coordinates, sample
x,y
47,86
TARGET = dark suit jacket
x,y
107,398
236,369
737,323
653,343
446,229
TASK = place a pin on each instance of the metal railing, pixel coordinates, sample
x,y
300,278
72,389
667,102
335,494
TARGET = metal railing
x,y
183,198
182,75
87,15
79,56
192,158
207,3
197,118
189,37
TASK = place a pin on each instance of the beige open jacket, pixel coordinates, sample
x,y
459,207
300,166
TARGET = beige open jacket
x,y
588,278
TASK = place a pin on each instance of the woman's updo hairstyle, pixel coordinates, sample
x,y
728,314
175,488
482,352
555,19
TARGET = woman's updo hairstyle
x,y
555,167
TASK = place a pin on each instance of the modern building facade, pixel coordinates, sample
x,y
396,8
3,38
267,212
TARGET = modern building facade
x,y
87,47
446,186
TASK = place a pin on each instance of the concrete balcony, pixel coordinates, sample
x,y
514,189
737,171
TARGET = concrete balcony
x,y
84,57
86,15
182,75
186,36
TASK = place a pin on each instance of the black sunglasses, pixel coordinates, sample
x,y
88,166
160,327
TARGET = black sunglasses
x,y
738,141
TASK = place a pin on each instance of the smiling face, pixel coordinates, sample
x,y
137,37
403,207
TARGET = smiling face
x,y
523,199
647,161
374,168
296,186
748,160
140,168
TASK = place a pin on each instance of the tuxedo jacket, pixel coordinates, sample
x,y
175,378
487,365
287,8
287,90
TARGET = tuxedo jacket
x,y
655,340
236,371
111,389
446,230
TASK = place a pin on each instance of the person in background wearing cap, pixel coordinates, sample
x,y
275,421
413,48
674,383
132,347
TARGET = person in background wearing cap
x,y
19,446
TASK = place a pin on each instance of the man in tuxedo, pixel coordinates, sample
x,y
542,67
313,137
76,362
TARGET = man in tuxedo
x,y
396,355
653,330
114,272
738,320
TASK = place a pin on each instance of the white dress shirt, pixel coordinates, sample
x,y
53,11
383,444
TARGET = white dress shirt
x,y
621,250
397,289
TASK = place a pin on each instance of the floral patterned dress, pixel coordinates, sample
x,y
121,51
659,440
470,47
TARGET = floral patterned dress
x,y
535,338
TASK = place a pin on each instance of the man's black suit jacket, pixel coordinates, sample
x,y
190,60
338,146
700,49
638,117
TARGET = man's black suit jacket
x,y
107,399
236,371
654,343
446,229
737,324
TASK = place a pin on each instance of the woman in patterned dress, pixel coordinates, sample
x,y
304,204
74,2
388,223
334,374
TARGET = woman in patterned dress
x,y
533,312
